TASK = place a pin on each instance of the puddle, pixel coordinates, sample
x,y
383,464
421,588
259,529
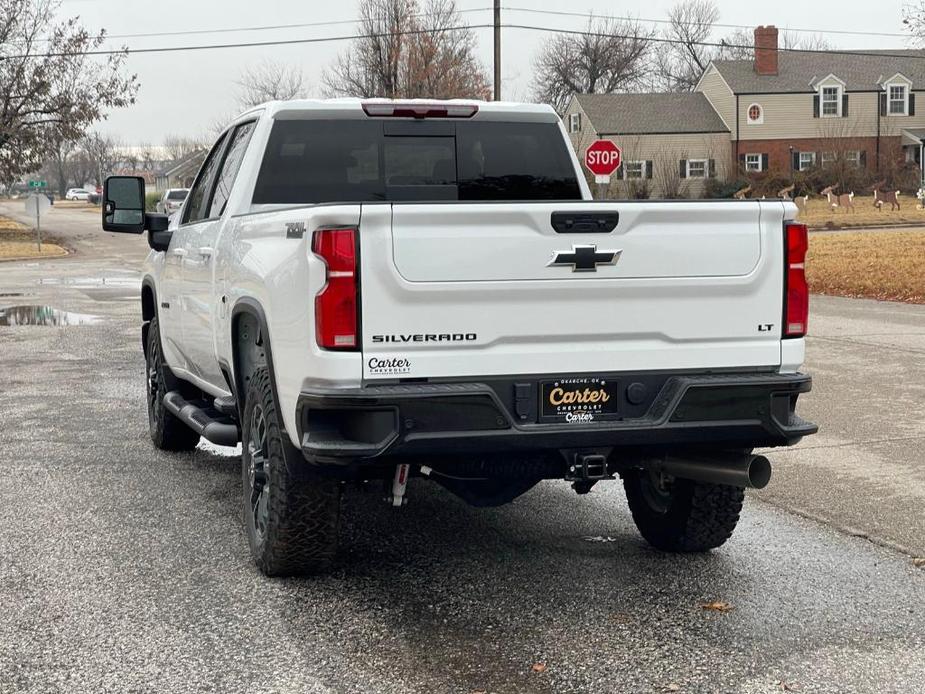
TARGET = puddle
x,y
93,282
43,315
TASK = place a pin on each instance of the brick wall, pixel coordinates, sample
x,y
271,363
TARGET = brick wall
x,y
780,151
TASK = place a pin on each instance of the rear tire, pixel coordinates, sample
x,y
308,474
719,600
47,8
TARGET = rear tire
x,y
167,432
682,515
292,525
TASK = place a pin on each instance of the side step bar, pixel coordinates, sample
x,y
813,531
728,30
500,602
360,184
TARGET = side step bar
x,y
203,419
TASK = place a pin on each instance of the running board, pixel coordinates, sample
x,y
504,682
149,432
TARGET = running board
x,y
203,419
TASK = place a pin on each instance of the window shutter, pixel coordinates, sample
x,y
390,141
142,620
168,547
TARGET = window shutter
x,y
815,105
682,168
648,168
818,161
619,172
795,161
911,103
863,159
742,161
883,104
713,168
764,162
844,105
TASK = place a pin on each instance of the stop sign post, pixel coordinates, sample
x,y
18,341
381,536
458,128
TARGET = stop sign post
x,y
602,158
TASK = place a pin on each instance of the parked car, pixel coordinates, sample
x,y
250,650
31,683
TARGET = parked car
x,y
77,194
172,200
396,289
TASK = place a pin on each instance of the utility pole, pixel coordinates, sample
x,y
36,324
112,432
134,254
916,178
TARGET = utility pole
x,y
497,50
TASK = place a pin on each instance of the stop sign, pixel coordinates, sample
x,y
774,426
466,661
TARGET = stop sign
x,y
603,158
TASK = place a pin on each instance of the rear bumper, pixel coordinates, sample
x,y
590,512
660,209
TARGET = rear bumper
x,y
497,415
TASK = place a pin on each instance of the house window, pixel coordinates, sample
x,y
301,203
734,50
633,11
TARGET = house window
x,y
753,162
574,123
853,157
634,169
831,101
755,114
828,158
696,168
897,100
807,160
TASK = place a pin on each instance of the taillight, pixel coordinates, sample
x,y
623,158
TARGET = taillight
x,y
411,109
796,310
336,305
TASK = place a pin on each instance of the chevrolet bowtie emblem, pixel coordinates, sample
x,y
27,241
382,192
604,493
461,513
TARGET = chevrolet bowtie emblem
x,y
584,258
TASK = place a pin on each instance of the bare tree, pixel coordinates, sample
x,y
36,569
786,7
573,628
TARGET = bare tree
x,y
41,90
102,153
407,52
690,44
269,81
682,58
914,21
611,56
740,44
177,147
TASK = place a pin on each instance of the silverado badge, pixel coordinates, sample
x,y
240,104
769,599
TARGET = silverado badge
x,y
584,258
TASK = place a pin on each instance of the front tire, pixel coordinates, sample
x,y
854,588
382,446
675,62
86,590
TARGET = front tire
x,y
678,515
167,432
292,525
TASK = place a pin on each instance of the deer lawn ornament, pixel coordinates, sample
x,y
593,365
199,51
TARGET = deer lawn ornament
x,y
800,202
785,192
920,194
845,200
742,194
881,197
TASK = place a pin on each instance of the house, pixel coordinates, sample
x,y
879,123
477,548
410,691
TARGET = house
x,y
180,174
780,111
672,142
790,110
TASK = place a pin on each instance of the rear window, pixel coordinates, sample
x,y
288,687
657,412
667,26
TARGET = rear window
x,y
177,195
314,161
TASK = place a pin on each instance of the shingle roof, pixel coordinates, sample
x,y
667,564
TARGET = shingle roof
x,y
797,70
631,114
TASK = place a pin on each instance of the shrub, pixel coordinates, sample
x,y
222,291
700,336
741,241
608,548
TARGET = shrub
x,y
151,200
715,188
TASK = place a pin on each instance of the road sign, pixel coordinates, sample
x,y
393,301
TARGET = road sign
x,y
37,204
38,184
603,158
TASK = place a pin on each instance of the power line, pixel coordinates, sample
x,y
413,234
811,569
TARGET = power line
x,y
588,15
411,32
269,27
718,44
251,44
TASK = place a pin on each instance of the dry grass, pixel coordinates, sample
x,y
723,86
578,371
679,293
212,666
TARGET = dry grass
x,y
888,265
17,241
820,215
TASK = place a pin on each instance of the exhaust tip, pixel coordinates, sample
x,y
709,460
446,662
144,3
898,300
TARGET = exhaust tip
x,y
759,472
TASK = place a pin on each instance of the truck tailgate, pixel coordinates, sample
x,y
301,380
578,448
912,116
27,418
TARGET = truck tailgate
x,y
467,289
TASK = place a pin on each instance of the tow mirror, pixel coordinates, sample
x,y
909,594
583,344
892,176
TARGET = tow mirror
x,y
124,204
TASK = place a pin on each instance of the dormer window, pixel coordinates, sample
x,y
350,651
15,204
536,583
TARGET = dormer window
x,y
899,100
897,97
831,101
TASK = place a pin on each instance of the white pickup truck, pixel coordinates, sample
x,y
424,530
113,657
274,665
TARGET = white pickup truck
x,y
379,290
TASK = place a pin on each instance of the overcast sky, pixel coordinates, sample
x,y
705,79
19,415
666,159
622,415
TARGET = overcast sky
x,y
184,92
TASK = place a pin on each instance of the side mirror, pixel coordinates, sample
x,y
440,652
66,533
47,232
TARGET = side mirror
x,y
124,204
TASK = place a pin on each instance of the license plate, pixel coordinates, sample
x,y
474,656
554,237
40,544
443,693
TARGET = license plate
x,y
578,400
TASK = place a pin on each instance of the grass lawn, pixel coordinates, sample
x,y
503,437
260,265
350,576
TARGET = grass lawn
x,y
18,241
820,215
888,265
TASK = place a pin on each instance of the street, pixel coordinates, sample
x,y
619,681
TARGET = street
x,y
126,569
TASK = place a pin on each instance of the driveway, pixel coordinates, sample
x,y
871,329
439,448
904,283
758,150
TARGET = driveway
x,y
126,569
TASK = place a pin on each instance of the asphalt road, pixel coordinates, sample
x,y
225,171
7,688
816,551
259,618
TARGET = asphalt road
x,y
123,569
